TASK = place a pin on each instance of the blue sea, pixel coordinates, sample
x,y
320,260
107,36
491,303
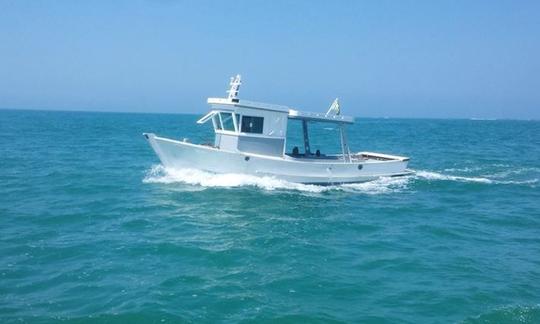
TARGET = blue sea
x,y
94,230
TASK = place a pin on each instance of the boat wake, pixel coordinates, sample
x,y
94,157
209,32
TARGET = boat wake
x,y
160,174
488,179
439,176
508,314
383,185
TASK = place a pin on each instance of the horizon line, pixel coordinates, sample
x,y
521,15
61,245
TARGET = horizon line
x,y
199,113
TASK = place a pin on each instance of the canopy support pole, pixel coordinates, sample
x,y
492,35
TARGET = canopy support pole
x,y
306,138
344,144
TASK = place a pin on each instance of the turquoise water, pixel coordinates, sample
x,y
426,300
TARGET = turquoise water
x,y
93,230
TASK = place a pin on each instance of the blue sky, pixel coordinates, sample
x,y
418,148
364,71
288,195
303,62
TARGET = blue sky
x,y
381,58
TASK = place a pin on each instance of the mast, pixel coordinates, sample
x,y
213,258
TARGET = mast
x,y
235,88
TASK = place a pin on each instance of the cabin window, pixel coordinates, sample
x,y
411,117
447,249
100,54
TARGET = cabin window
x,y
227,121
251,124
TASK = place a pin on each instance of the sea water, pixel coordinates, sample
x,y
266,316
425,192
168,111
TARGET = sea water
x,y
93,229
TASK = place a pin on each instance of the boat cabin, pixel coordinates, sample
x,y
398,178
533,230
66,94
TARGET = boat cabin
x,y
260,128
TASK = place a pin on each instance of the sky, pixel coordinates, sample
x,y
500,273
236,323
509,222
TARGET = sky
x,y
412,59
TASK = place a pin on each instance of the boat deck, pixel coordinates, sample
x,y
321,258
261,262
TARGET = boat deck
x,y
358,157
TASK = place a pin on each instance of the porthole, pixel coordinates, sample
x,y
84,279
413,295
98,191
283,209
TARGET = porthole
x,y
360,166
246,158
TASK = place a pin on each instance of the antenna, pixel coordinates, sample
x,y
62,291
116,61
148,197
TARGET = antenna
x,y
235,87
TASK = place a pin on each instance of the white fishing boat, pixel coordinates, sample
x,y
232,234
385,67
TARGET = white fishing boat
x,y
251,138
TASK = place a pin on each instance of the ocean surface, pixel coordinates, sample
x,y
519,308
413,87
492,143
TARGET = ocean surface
x,y
94,230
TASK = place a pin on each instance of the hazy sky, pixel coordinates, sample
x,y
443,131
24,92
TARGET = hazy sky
x,y
381,58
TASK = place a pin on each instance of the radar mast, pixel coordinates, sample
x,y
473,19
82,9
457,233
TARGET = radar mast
x,y
235,88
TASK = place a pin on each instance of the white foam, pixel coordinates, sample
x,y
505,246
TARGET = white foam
x,y
379,186
160,174
445,177
531,181
439,176
384,185
514,172
465,169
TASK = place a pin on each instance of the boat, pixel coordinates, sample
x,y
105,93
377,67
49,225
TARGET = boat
x,y
251,138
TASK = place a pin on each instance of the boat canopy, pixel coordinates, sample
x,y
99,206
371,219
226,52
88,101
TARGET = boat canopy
x,y
224,103
311,116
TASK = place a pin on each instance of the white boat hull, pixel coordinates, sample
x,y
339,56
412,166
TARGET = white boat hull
x,y
179,155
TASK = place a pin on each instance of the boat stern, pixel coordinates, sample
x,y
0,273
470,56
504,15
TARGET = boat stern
x,y
394,165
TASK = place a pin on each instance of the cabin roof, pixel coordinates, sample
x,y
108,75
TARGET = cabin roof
x,y
292,113
248,104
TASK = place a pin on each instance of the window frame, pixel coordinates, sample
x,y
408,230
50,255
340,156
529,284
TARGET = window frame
x,y
221,118
216,121
238,121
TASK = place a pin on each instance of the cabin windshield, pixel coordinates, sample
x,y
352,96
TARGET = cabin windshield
x,y
324,139
227,121
222,120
